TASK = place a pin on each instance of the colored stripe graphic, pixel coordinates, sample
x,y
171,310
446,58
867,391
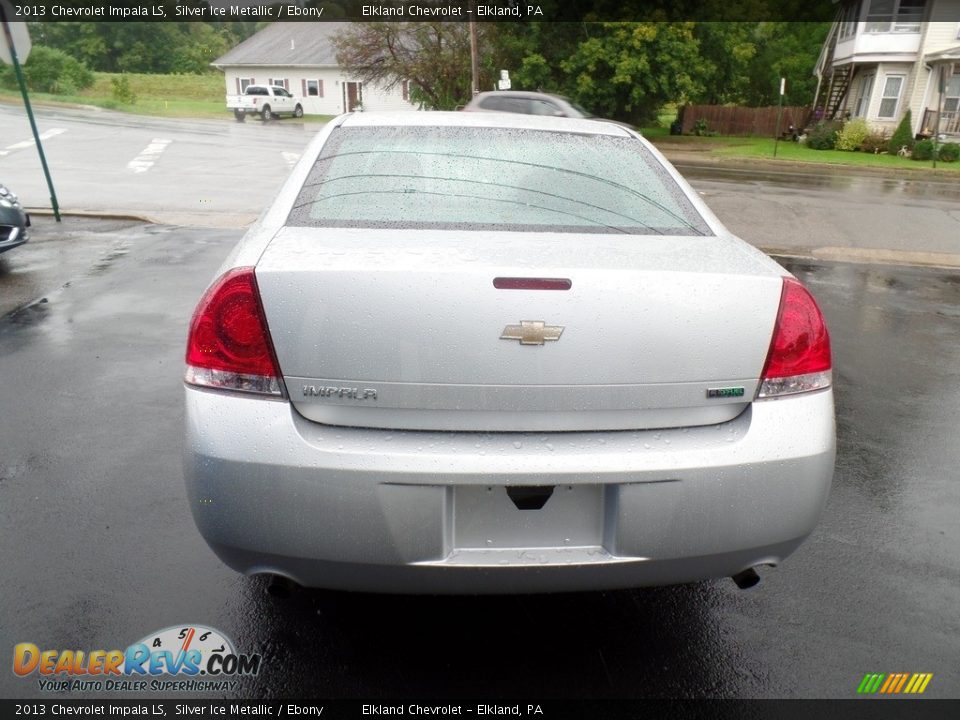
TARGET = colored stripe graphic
x,y
870,683
918,683
894,683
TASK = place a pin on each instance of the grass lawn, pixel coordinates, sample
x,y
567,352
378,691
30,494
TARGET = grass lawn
x,y
753,148
797,152
187,96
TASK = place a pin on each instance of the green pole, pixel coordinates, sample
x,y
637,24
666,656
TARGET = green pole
x,y
936,126
26,102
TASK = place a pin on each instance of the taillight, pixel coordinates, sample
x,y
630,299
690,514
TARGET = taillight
x,y
799,356
229,345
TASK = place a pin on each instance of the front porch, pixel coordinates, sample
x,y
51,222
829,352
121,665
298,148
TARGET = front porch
x,y
949,124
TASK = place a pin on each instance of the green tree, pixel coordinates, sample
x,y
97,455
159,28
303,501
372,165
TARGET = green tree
x,y
903,135
727,50
788,50
145,47
533,51
434,57
627,71
205,45
51,71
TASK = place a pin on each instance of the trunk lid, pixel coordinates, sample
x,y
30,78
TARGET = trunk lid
x,y
405,329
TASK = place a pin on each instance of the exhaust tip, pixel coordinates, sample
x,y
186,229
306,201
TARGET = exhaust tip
x,y
746,579
280,587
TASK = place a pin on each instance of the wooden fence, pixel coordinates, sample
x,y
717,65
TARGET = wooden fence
x,y
732,120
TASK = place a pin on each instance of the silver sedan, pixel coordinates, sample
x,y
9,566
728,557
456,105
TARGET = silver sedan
x,y
487,353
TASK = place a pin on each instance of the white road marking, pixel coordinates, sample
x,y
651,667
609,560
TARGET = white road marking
x,y
53,132
148,156
290,158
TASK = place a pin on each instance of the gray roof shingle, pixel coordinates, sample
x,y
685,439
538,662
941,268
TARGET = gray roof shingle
x,y
287,43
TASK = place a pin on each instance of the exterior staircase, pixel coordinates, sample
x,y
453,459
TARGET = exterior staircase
x,y
837,90
837,79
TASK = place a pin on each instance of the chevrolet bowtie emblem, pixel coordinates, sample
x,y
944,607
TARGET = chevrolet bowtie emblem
x,y
532,332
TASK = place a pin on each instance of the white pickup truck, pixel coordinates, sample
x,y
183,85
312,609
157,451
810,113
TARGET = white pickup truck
x,y
267,101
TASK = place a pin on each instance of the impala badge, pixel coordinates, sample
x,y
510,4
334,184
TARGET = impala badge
x,y
532,332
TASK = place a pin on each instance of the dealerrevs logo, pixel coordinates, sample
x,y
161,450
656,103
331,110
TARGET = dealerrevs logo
x,y
178,658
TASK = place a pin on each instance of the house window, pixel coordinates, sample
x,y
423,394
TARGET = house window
x,y
243,83
864,89
891,96
848,20
314,88
902,16
284,83
951,95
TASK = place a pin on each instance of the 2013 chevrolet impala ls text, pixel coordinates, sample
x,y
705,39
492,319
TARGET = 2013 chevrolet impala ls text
x,y
488,353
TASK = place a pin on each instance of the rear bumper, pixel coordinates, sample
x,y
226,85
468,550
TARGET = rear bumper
x,y
414,511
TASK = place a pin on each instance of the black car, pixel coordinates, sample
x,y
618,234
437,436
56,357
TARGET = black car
x,y
531,103
14,221
526,103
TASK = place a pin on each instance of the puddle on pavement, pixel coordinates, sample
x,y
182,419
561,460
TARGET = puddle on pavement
x,y
29,315
107,260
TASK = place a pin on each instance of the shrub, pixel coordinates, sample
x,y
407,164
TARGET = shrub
x,y
121,91
923,150
700,127
852,135
823,136
50,70
950,152
903,135
875,143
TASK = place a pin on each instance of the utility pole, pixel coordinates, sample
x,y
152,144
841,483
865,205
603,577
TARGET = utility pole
x,y
474,62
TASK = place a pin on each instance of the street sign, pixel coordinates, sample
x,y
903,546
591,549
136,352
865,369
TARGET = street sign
x,y
504,82
18,31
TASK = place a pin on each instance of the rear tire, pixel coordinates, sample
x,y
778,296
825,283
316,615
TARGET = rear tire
x,y
266,113
298,111
239,115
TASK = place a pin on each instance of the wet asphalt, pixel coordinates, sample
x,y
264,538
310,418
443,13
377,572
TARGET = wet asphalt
x,y
100,548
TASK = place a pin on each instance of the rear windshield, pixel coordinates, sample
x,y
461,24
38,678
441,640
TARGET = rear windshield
x,y
491,179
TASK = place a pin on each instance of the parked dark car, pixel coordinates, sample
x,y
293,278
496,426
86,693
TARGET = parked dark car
x,y
14,221
526,103
532,103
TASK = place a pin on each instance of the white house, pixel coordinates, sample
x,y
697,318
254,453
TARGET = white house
x,y
300,56
885,56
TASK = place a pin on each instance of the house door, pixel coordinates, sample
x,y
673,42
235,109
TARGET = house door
x,y
864,91
353,95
